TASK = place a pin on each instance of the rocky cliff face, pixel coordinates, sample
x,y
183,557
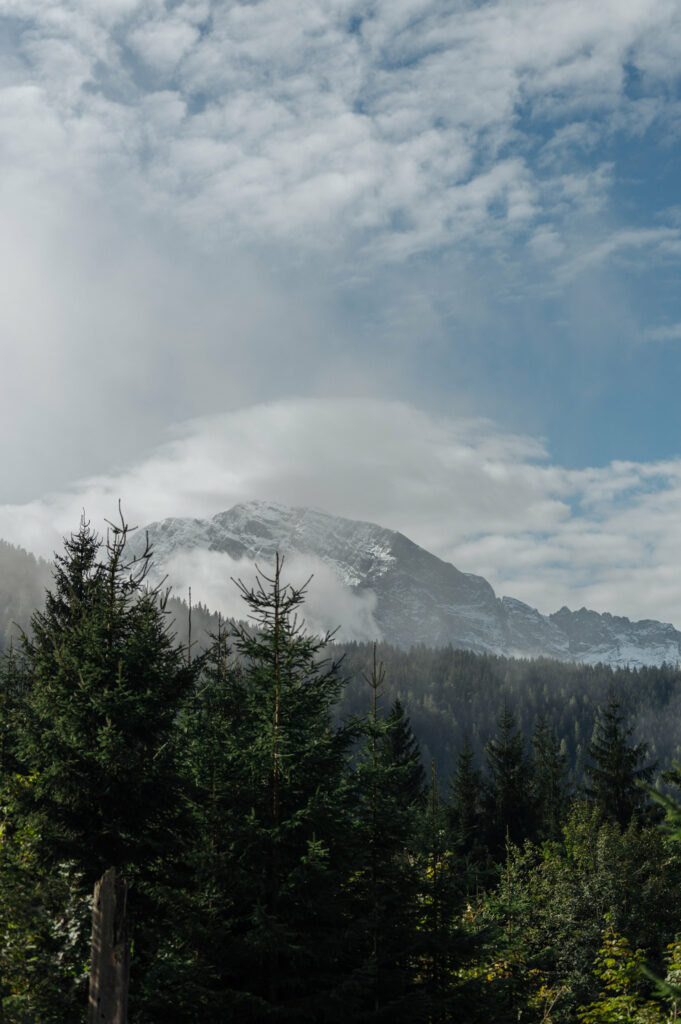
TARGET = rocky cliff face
x,y
419,599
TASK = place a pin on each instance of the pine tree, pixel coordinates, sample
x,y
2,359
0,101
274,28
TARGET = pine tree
x,y
385,885
446,944
104,687
399,749
285,837
12,694
465,803
199,987
508,796
616,768
97,733
548,783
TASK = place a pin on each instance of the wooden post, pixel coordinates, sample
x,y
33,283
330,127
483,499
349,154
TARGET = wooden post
x,y
110,960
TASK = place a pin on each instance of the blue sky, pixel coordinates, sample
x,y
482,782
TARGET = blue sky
x,y
466,214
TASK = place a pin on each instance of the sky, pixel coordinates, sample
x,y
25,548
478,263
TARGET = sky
x,y
408,261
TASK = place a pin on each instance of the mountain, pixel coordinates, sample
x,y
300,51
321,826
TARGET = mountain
x,y
417,597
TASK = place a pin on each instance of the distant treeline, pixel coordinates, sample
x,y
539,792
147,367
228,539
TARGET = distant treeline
x,y
450,695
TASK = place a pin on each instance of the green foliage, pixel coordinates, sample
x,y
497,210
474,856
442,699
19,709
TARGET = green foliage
x,y
465,815
452,694
549,794
399,750
619,969
101,686
512,964
44,926
104,685
384,886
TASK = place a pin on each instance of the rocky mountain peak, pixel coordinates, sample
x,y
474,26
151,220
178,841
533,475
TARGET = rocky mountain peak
x,y
416,597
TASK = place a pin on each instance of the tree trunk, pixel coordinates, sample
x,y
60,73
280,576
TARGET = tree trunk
x,y
110,961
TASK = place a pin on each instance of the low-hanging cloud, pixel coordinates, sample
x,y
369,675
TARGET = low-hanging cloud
x,y
329,605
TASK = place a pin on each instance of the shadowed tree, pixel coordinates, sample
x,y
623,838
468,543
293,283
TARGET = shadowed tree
x,y
465,805
508,803
104,683
548,783
616,768
286,816
399,749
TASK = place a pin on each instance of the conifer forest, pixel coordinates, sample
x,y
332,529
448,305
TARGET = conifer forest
x,y
323,833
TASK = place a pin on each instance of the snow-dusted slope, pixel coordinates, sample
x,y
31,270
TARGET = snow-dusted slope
x,y
418,597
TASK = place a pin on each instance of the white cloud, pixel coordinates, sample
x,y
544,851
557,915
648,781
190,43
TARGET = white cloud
x,y
621,242
164,43
665,332
292,122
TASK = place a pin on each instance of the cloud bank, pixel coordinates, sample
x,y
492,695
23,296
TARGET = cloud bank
x,y
208,205
492,503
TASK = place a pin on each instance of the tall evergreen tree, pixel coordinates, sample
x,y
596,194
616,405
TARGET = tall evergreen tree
x,y
286,834
447,946
548,782
615,768
508,790
399,749
12,694
104,684
385,885
465,806
199,987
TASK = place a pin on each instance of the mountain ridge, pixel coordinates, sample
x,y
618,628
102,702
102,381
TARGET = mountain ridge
x,y
419,598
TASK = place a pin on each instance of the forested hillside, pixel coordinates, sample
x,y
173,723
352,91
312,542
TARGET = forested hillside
x,y
451,695
289,861
23,579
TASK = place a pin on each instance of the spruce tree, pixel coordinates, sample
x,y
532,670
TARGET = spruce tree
x,y
450,991
399,749
616,768
385,885
508,791
199,987
285,834
97,732
465,806
104,686
548,782
12,694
